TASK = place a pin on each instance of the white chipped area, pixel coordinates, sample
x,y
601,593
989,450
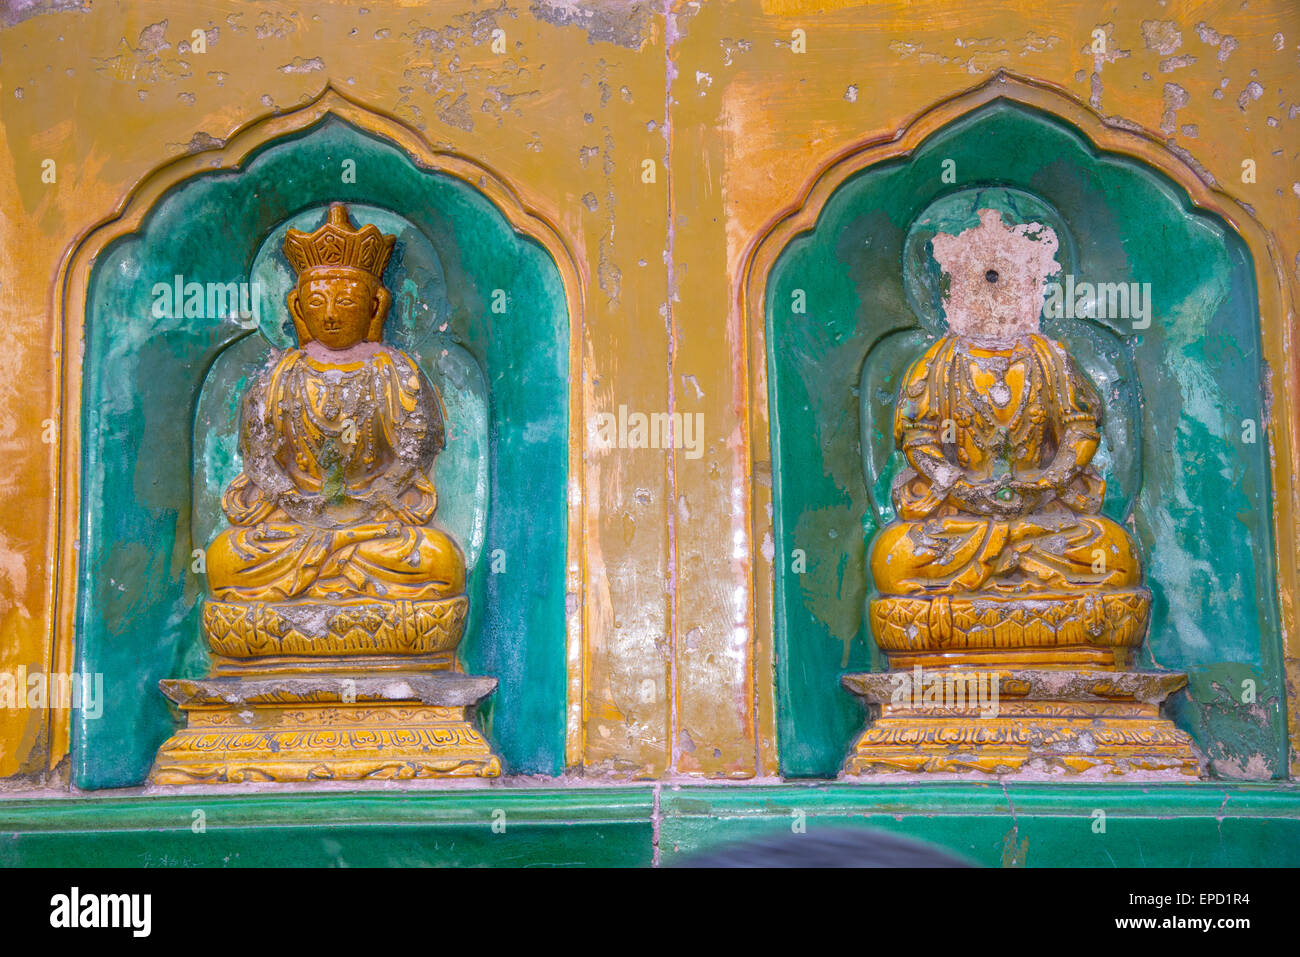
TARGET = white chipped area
x,y
998,276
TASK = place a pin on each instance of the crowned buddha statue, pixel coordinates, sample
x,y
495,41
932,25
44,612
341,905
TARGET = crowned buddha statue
x,y
338,439
336,601
1000,570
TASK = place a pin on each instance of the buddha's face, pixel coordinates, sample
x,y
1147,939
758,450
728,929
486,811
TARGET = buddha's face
x,y
338,309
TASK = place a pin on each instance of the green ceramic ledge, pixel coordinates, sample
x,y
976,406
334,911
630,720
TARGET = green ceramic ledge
x,y
1036,825
461,828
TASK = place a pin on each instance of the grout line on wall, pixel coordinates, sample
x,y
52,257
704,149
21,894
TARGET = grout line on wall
x,y
674,746
655,819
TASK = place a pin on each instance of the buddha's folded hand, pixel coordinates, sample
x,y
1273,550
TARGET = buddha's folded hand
x,y
995,498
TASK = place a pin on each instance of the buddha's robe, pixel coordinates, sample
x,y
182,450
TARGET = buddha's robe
x,y
972,415
335,500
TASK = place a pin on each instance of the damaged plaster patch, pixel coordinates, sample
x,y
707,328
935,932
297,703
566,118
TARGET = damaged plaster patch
x,y
1100,58
500,102
13,570
1161,36
1253,91
1112,51
272,25
16,11
605,21
473,28
1123,123
153,39
990,53
1175,98
1205,175
1254,768
1170,64
608,276
997,275
437,70
204,141
210,37
732,48
199,142
299,65
143,62
1211,37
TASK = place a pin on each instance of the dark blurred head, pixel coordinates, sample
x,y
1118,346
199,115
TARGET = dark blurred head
x,y
827,847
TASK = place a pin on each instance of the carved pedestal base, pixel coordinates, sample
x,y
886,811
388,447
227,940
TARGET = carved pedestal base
x,y
326,727
1029,722
316,636
1100,628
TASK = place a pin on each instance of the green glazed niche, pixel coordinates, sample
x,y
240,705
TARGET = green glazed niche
x,y
1196,495
160,400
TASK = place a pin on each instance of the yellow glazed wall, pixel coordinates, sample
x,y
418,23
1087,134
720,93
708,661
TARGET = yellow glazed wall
x,y
671,672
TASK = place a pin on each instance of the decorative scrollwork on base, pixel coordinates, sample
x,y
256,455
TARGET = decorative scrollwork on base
x,y
338,743
344,629
1112,620
1054,737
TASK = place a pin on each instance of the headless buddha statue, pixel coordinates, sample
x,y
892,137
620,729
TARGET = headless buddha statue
x,y
999,500
1009,608
338,439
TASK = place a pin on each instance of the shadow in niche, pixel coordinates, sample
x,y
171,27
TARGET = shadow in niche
x,y
160,405
1197,498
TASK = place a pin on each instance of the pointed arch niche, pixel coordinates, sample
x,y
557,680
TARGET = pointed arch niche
x,y
149,411
1208,508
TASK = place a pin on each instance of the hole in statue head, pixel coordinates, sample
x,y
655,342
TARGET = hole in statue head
x,y
991,275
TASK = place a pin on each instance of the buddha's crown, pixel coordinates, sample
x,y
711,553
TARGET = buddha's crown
x,y
339,243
